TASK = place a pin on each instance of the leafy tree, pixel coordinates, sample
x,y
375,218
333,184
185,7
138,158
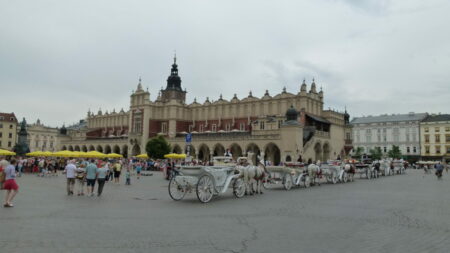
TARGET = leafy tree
x,y
376,153
359,151
157,147
395,152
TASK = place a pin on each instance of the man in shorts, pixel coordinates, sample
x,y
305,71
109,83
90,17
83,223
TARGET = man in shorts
x,y
70,171
117,170
91,176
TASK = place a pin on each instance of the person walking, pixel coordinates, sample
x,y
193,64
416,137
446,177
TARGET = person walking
x,y
138,169
128,177
117,170
10,184
101,178
70,171
91,175
439,169
111,172
20,166
81,178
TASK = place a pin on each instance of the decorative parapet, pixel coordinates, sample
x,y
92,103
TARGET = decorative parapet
x,y
238,136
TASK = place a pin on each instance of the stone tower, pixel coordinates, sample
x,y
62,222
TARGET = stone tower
x,y
173,89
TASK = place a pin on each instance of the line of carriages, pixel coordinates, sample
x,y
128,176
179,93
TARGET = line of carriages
x,y
245,178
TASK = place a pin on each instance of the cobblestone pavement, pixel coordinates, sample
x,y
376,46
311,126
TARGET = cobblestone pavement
x,y
408,213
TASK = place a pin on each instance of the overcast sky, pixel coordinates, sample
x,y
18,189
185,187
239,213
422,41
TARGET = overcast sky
x,y
60,58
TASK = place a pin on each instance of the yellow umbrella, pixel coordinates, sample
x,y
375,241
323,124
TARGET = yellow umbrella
x,y
181,156
6,152
114,155
47,153
79,153
175,156
142,156
65,153
35,153
94,154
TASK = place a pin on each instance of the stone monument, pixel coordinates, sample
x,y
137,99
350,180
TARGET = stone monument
x,y
22,147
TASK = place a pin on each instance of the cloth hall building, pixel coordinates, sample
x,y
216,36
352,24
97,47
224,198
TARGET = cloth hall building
x,y
280,128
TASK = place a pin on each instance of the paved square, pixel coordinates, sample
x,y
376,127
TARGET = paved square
x,y
408,213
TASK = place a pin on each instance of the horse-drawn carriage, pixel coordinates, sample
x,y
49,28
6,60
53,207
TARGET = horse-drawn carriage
x,y
334,172
292,174
398,167
207,181
364,170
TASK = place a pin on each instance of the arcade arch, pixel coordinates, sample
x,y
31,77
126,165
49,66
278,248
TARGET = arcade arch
x,y
177,149
318,152
107,149
219,150
116,149
203,153
272,153
136,150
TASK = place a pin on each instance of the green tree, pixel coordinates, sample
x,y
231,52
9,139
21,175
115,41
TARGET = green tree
x,y
157,147
395,152
359,151
376,153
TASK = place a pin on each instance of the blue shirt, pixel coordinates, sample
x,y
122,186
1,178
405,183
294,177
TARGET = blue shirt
x,y
10,172
102,172
91,171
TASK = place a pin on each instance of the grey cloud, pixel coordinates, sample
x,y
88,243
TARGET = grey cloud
x,y
60,58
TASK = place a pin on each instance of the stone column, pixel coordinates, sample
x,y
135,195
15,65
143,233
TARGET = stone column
x,y
211,154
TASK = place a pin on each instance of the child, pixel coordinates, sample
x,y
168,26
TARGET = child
x,y
138,170
128,176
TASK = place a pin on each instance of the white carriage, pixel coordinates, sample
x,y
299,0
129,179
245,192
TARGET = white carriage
x,y
206,181
385,168
289,176
398,167
364,170
334,172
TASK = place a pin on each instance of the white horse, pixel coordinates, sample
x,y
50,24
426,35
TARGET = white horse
x,y
348,168
314,173
252,175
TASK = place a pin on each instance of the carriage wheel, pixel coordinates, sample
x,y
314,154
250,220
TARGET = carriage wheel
x,y
334,178
205,189
329,178
306,181
345,177
287,182
239,188
176,190
266,181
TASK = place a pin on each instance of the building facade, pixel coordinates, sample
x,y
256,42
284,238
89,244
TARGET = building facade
x,y
385,131
249,124
435,137
8,130
42,138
